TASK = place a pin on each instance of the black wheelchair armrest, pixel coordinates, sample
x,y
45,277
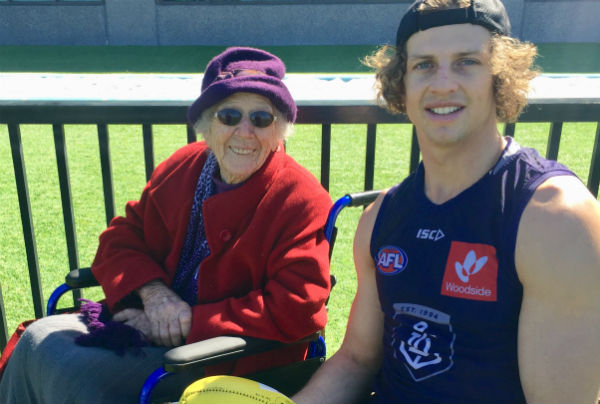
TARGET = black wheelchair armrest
x,y
219,349
81,278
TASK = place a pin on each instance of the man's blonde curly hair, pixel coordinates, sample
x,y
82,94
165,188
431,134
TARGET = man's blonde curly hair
x,y
511,65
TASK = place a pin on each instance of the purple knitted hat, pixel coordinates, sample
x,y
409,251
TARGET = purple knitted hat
x,y
244,70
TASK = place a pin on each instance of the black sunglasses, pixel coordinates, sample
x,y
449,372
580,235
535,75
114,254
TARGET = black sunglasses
x,y
231,117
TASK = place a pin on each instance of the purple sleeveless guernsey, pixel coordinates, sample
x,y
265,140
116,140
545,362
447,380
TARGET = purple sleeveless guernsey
x,y
448,286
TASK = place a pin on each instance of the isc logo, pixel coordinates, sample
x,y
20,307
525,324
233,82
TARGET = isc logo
x,y
430,234
391,260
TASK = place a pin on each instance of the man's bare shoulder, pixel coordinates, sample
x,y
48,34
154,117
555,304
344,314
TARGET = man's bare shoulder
x,y
364,231
558,262
559,229
370,213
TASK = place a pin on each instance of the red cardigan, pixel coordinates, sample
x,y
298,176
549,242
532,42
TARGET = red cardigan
x,y
268,271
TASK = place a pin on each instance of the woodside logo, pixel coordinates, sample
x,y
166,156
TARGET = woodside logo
x,y
471,272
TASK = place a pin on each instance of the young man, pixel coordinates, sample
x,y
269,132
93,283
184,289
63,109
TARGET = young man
x,y
477,275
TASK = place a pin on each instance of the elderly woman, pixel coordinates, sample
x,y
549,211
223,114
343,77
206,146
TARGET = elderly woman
x,y
226,239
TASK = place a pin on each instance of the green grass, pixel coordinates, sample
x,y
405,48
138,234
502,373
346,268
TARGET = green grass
x,y
554,58
347,174
170,59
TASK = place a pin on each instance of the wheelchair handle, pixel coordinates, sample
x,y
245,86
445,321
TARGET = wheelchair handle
x,y
76,279
81,278
354,199
363,198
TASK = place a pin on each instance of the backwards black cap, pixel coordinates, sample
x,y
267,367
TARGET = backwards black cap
x,y
487,13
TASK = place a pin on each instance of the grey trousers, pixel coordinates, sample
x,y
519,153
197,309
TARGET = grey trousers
x,y
48,367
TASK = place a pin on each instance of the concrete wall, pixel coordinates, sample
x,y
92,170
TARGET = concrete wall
x,y
144,22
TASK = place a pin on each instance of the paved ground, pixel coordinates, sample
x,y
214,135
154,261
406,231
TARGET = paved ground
x,y
183,88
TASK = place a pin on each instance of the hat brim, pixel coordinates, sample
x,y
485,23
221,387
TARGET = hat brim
x,y
272,89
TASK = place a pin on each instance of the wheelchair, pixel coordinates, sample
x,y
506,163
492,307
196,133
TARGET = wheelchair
x,y
288,379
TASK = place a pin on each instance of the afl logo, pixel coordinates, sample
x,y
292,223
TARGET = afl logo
x,y
391,260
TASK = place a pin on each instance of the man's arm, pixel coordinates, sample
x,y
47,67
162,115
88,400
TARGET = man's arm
x,y
347,375
558,262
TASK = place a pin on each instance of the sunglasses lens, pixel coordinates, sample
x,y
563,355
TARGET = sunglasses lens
x,y
261,119
229,116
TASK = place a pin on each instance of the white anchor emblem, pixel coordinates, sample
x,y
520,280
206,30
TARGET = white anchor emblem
x,y
419,345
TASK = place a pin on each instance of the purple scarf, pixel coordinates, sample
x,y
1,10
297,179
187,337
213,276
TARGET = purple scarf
x,y
105,333
195,247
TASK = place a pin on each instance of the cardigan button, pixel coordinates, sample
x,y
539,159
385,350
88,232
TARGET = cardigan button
x,y
225,235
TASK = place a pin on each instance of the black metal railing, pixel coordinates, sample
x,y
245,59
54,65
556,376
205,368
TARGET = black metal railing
x,y
147,114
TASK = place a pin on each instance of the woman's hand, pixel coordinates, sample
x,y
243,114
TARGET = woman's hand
x,y
135,318
169,316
